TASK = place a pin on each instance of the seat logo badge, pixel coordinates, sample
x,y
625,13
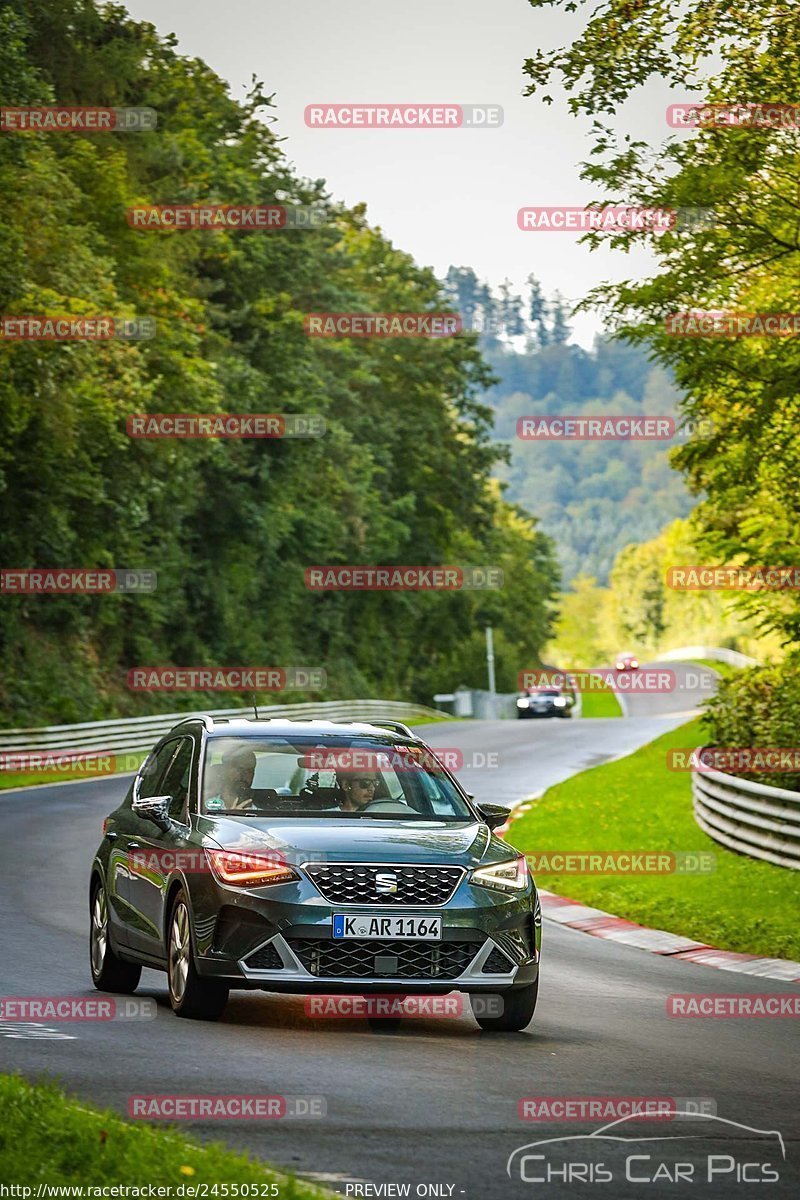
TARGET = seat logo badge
x,y
385,882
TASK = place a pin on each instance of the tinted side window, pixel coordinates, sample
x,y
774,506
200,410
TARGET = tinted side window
x,y
177,779
153,770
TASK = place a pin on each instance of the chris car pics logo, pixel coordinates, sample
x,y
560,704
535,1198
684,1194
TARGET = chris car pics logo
x,y
703,1150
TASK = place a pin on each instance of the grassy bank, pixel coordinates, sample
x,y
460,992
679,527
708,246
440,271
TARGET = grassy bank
x,y
46,1138
600,702
113,765
636,803
722,668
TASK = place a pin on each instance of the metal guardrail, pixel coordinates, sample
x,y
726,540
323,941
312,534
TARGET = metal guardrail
x,y
137,734
718,652
752,818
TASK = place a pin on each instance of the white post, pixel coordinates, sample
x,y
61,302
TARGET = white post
x,y
490,658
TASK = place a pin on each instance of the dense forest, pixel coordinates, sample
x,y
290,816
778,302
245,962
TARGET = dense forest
x,y
405,473
592,498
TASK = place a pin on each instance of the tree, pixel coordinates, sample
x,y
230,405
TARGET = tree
x,y
403,474
743,393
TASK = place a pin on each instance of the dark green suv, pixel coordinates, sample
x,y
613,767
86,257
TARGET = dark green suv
x,y
311,857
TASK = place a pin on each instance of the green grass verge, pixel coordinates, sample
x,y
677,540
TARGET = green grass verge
x,y
46,1138
636,803
722,668
120,763
423,721
600,702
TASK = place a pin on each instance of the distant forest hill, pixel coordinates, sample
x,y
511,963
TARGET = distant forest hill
x,y
592,497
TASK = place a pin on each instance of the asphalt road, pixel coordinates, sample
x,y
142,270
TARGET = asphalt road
x,y
435,1103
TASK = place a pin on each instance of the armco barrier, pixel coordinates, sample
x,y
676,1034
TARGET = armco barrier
x,y
733,657
138,734
753,818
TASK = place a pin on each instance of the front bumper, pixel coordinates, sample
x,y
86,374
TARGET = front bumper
x,y
490,940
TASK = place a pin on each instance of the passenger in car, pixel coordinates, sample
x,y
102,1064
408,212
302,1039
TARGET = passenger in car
x,y
236,782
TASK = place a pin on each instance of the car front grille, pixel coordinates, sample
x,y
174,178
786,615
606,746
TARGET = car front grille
x,y
368,959
360,883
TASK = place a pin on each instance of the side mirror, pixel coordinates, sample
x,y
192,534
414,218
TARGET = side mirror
x,y
494,815
154,808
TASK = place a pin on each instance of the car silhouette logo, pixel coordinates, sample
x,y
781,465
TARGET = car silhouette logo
x,y
385,882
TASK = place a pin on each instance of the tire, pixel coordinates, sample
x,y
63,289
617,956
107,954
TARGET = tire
x,y
189,994
109,973
519,1005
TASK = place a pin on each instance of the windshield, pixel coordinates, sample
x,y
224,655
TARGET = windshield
x,y
352,777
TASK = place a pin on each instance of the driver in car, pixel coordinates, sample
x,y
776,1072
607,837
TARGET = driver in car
x,y
236,782
358,790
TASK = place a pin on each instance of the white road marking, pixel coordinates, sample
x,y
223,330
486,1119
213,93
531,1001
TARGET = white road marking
x,y
34,1031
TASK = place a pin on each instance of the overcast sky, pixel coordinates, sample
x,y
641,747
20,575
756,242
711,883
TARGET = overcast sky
x,y
445,196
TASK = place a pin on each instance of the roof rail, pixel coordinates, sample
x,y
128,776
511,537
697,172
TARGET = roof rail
x,y
208,722
397,726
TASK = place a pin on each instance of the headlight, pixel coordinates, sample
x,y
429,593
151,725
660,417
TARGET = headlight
x,y
634,662
560,702
620,666
508,876
249,870
522,702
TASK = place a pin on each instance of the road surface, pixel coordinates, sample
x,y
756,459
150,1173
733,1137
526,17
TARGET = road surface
x,y
435,1103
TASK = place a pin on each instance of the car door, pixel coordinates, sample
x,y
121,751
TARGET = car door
x,y
128,832
154,852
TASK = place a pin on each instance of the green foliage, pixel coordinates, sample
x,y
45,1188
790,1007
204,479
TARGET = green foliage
x,y
743,392
759,707
592,498
403,474
639,612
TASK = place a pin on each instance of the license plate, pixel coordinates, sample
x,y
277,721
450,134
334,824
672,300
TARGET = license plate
x,y
417,929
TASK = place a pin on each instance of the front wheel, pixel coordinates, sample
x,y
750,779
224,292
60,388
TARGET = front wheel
x,y
109,973
189,994
519,1005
